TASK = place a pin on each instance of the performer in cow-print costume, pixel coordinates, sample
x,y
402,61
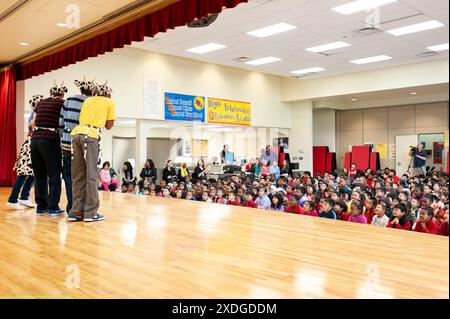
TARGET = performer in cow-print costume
x,y
23,168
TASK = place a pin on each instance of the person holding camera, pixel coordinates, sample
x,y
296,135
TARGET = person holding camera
x,y
420,159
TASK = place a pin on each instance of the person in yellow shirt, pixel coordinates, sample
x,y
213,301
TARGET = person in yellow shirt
x,y
97,112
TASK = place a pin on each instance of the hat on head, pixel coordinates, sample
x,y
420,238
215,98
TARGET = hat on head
x,y
35,100
58,89
103,89
86,85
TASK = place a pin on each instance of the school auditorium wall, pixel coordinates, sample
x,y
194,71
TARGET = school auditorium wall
x,y
127,69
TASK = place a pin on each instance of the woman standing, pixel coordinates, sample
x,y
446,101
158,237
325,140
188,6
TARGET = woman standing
x,y
169,172
23,168
148,175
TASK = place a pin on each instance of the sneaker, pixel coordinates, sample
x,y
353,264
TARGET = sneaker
x,y
96,218
41,212
73,218
14,205
27,203
56,212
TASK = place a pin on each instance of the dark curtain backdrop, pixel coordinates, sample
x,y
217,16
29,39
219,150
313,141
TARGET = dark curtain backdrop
x,y
174,15
7,126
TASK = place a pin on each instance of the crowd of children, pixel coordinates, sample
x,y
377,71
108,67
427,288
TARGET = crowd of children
x,y
381,199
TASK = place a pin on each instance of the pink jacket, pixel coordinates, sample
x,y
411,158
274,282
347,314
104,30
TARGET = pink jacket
x,y
105,177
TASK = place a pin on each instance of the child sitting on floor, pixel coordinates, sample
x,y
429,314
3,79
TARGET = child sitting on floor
x,y
232,199
293,207
380,219
249,202
263,201
327,211
309,209
357,213
425,224
399,220
277,203
369,206
340,208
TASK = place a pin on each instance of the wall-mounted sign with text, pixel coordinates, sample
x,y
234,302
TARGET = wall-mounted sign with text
x,y
181,107
229,112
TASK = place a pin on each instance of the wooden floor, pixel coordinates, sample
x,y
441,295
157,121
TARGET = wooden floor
x,y
157,248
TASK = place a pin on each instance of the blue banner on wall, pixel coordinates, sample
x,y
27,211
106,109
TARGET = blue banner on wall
x,y
181,107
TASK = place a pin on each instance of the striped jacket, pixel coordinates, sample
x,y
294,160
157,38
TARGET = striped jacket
x,y
70,118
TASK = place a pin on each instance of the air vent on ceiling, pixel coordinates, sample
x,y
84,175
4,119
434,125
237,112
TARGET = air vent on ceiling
x,y
427,54
368,31
242,59
304,75
329,53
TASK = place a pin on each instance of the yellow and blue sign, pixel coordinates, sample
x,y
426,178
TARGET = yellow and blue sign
x,y
229,112
181,107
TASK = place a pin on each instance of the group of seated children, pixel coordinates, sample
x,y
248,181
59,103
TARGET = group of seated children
x,y
380,199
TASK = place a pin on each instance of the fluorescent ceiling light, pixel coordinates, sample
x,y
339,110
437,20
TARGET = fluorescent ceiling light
x,y
310,70
24,44
432,24
361,5
206,48
439,47
328,47
413,93
372,59
271,30
261,61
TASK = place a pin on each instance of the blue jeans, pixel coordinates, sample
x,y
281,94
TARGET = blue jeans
x,y
22,182
67,176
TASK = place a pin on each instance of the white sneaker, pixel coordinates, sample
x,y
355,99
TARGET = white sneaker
x,y
27,203
15,206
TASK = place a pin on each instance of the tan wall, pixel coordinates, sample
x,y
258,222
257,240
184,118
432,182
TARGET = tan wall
x,y
382,125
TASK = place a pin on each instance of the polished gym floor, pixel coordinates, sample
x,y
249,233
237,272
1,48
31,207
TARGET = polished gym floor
x,y
157,248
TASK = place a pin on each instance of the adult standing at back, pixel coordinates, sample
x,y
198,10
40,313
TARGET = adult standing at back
x,y
420,159
69,119
46,152
98,112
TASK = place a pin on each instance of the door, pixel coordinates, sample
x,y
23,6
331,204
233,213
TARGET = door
x,y
123,150
402,148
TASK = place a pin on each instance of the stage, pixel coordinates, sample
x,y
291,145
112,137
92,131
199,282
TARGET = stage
x,y
156,248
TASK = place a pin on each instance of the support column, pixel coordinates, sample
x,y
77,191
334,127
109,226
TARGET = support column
x,y
141,145
301,135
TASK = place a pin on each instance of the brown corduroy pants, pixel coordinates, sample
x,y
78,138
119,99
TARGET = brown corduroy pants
x,y
85,176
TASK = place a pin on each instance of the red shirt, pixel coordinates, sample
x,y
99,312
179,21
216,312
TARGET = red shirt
x,y
313,213
430,228
250,204
443,228
234,202
295,210
406,226
343,216
369,215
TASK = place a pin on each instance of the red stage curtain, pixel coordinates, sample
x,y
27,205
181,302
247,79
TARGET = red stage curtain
x,y
7,126
177,14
